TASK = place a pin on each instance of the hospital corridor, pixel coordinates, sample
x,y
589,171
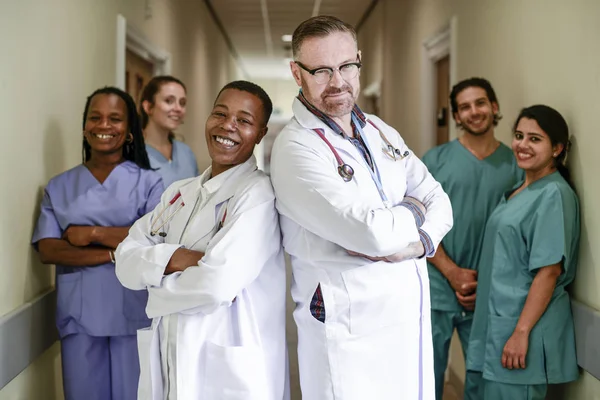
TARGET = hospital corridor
x,y
299,200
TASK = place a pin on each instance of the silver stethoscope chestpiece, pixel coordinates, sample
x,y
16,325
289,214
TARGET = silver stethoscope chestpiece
x,y
346,172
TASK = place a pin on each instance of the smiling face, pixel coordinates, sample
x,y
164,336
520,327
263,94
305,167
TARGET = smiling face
x,y
106,125
235,125
532,147
335,98
475,111
169,107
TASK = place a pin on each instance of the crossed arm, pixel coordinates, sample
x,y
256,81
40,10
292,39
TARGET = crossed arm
x,y
82,245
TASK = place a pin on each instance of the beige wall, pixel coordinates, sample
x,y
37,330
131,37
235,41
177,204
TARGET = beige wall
x,y
534,51
282,93
54,54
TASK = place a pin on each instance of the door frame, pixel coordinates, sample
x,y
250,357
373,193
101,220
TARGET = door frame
x,y
130,38
433,49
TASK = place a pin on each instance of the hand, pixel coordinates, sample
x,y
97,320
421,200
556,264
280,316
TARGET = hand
x,y
182,259
468,301
79,236
515,351
462,279
415,202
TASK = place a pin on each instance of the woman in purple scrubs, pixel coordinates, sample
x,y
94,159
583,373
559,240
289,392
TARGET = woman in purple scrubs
x,y
85,213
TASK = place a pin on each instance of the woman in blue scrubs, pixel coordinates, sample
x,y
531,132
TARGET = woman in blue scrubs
x,y
162,109
522,337
85,213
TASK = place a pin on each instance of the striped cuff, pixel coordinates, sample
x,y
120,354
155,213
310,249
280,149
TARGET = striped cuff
x,y
427,243
416,211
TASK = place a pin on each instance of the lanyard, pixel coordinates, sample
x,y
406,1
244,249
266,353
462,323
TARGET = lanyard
x,y
375,176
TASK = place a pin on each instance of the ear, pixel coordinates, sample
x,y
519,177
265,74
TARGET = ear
x,y
147,106
495,108
557,149
261,135
359,56
296,73
455,116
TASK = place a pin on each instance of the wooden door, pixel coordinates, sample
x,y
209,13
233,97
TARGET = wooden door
x,y
442,106
137,74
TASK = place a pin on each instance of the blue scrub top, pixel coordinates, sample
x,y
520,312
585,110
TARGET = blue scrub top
x,y
474,187
537,227
90,299
181,166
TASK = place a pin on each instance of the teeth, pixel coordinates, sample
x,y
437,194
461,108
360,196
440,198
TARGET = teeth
x,y
524,155
225,141
104,136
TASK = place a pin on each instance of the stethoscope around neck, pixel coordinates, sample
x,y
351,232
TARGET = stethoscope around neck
x,y
345,171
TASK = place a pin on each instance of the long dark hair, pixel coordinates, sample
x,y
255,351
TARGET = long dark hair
x,y
149,93
133,151
555,126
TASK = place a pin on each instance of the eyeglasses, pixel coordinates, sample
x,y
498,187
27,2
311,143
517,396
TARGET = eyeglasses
x,y
324,74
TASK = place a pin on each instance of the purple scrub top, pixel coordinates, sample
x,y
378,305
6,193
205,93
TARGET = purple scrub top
x,y
91,300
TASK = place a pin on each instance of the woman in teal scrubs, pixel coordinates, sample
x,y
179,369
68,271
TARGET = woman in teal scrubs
x,y
522,337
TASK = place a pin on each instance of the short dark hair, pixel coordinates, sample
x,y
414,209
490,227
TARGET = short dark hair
x,y
149,93
555,126
136,149
475,82
254,89
319,26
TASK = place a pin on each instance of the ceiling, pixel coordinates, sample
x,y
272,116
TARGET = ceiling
x,y
255,27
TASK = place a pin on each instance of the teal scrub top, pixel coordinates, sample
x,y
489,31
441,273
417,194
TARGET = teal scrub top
x,y
181,166
475,187
537,227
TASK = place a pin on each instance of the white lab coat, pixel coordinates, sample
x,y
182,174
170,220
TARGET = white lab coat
x,y
376,339
218,329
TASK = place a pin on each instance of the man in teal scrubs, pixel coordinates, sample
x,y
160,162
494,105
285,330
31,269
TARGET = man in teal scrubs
x,y
474,170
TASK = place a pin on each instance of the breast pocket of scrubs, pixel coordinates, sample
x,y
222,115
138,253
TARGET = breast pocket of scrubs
x,y
69,297
235,373
382,295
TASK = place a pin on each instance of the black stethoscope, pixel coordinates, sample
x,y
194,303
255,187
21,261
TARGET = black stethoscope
x,y
345,170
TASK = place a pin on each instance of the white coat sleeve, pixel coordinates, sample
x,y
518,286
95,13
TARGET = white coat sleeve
x,y
421,185
311,193
233,259
141,259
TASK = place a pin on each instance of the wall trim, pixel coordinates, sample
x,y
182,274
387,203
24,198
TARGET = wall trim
x,y
587,335
25,334
132,39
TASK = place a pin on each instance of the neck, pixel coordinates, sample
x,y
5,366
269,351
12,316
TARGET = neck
x,y
345,122
481,145
156,136
105,160
535,175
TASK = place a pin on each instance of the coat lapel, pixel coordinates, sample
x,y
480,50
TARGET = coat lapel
x,y
206,222
346,149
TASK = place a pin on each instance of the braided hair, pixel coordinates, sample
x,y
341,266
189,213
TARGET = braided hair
x,y
135,150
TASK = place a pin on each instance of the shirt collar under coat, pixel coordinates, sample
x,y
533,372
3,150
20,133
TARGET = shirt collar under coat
x,y
309,120
222,186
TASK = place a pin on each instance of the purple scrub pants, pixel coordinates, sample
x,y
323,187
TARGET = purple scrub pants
x,y
100,368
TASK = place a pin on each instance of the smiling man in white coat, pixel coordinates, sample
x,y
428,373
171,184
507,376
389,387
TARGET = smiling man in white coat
x,y
359,214
210,257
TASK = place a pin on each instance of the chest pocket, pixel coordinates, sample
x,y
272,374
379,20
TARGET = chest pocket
x,y
204,226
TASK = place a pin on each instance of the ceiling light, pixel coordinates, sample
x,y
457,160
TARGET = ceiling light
x,y
286,38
